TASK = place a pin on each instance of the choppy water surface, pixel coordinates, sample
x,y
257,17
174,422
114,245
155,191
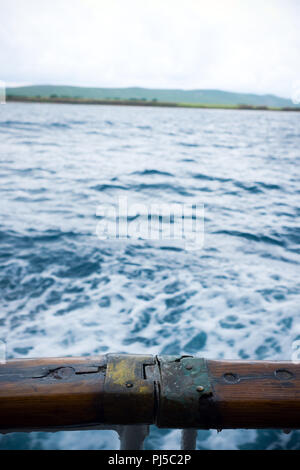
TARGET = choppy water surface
x,y
65,292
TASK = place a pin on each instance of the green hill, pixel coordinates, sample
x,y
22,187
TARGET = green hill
x,y
212,97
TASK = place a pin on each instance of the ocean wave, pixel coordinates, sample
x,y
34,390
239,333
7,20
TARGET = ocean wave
x,y
65,292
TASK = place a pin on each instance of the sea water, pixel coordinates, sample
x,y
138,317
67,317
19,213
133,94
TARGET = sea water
x,y
64,291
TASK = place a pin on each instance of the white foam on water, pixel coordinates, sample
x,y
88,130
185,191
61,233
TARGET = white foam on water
x,y
64,292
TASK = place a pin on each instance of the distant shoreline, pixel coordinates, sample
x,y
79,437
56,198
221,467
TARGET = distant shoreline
x,y
136,102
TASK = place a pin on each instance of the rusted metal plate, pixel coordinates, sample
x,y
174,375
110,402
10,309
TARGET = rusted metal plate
x,y
185,392
128,394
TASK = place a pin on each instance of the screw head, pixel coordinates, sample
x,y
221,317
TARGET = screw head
x,y
200,388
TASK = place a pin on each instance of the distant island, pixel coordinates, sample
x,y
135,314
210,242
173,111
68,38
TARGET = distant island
x,y
149,97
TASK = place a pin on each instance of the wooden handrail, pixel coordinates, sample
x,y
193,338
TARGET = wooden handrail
x,y
169,391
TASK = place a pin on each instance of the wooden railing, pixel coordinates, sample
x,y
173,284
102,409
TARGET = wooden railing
x,y
127,393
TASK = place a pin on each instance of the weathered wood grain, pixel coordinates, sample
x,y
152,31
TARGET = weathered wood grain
x,y
256,394
69,393
51,393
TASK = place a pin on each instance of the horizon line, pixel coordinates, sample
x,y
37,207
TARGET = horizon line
x,y
14,85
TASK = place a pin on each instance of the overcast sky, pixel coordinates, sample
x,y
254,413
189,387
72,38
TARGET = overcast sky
x,y
236,45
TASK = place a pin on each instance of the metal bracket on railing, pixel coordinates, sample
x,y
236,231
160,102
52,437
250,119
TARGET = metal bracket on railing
x,y
170,391
185,392
129,396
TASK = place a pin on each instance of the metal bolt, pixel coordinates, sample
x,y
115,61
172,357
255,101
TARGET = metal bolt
x,y
200,388
129,384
